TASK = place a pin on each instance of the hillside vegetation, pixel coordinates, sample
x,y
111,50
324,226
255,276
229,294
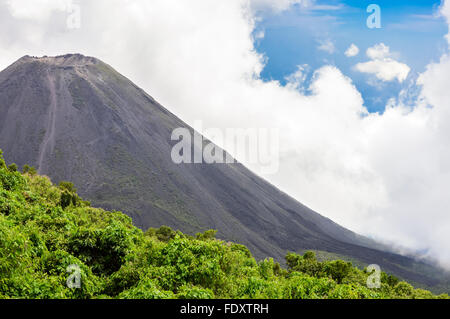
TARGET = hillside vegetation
x,y
44,229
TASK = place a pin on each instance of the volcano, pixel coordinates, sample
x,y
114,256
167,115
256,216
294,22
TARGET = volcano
x,y
76,119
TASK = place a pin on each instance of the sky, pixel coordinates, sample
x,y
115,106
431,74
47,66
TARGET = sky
x,y
297,37
363,114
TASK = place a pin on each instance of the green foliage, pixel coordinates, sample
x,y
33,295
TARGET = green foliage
x,y
338,270
164,233
306,264
44,229
207,235
192,292
403,290
390,280
69,195
67,186
10,181
2,161
29,170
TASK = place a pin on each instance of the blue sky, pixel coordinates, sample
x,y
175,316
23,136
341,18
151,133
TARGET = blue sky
x,y
412,30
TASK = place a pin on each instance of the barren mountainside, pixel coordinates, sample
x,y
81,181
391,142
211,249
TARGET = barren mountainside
x,y
75,118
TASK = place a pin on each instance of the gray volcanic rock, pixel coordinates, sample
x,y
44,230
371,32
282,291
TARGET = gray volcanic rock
x,y
77,119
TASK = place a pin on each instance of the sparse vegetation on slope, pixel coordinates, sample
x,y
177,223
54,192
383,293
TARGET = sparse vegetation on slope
x,y
46,228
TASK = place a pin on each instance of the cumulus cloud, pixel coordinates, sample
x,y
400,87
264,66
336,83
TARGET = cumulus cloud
x,y
383,66
352,51
378,51
384,175
386,70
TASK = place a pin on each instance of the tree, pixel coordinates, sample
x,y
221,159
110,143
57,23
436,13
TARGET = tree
x,y
12,167
391,280
207,235
164,233
309,255
403,289
2,161
29,170
292,260
68,186
66,199
306,264
69,195
338,269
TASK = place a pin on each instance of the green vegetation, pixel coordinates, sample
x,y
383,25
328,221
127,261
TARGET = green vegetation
x,y
46,228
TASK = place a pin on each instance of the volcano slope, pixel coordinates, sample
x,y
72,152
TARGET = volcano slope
x,y
75,118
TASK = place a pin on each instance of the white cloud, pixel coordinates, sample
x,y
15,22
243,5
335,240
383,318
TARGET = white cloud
x,y
277,5
325,7
352,51
259,35
378,51
39,10
445,12
385,175
327,46
297,79
385,70
383,66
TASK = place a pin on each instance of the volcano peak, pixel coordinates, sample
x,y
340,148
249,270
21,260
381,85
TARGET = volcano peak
x,y
74,59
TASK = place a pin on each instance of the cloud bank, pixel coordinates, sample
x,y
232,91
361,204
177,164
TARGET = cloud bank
x,y
381,175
